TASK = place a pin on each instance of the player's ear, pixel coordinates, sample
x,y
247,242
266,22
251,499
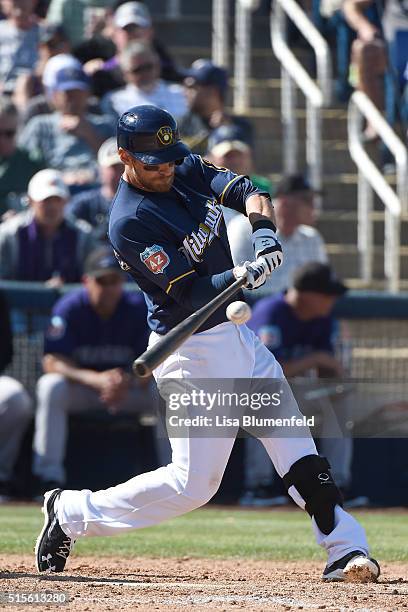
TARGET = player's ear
x,y
125,158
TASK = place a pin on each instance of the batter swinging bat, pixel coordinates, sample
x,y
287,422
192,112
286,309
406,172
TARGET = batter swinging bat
x,y
154,356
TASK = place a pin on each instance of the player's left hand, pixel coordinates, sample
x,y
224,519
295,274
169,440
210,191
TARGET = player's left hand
x,y
266,245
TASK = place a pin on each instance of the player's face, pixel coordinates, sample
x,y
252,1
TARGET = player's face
x,y
104,291
157,178
318,304
49,212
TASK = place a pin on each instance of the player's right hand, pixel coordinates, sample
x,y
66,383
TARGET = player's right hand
x,y
255,271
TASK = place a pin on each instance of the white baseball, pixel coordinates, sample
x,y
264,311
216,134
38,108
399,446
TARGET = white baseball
x,y
238,312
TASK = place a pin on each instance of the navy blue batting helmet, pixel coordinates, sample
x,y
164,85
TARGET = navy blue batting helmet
x,y
150,134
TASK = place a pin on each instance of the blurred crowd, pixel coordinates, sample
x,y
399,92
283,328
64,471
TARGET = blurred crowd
x,y
67,71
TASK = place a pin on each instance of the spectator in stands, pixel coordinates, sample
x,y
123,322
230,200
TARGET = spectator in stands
x,y
68,138
16,165
94,335
39,244
206,87
140,66
380,50
29,95
227,148
74,15
293,204
15,408
19,33
93,205
299,329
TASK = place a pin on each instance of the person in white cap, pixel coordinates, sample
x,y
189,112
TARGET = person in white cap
x,y
39,244
140,66
68,138
93,205
130,22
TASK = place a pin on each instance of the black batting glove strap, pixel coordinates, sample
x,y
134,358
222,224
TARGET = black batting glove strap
x,y
263,224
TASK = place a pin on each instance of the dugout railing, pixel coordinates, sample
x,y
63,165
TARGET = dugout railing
x,y
374,324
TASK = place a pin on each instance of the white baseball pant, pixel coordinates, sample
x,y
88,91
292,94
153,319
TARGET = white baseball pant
x,y
197,466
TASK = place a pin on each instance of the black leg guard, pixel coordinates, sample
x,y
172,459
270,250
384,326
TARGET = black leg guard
x,y
312,478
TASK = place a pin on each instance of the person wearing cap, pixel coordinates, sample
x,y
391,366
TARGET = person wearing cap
x,y
93,337
227,148
68,138
15,407
140,67
294,212
39,244
129,22
206,88
298,327
19,35
17,166
93,205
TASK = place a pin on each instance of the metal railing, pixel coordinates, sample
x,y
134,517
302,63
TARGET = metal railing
x,y
220,32
242,56
318,94
370,179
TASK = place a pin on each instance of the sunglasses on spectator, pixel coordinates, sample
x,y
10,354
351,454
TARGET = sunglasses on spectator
x,y
156,167
142,68
7,133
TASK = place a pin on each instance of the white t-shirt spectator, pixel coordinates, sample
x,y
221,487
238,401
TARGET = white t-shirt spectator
x,y
168,96
304,245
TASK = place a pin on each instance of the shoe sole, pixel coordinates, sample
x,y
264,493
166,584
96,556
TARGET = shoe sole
x,y
47,521
359,569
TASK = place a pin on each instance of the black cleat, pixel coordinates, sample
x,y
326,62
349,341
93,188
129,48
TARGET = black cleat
x,y
353,567
53,545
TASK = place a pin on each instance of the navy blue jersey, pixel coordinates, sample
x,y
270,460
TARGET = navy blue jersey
x,y
287,336
78,332
168,240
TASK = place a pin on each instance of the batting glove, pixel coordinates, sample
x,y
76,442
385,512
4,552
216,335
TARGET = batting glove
x,y
266,244
255,271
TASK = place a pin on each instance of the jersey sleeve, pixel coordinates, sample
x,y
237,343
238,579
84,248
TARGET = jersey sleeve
x,y
152,256
230,189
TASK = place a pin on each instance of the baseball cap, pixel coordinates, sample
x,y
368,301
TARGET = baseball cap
x,y
318,278
108,153
101,262
63,72
227,138
205,72
132,13
47,183
292,183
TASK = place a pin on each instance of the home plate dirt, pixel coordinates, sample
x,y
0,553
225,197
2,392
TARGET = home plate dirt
x,y
201,584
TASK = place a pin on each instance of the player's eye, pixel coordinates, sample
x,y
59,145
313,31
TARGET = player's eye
x,y
151,168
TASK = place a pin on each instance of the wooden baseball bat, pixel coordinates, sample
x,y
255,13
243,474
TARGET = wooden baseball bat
x,y
155,355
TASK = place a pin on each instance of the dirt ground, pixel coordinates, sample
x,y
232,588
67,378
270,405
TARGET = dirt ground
x,y
201,584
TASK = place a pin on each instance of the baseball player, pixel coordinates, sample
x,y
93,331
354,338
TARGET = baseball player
x,y
167,230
